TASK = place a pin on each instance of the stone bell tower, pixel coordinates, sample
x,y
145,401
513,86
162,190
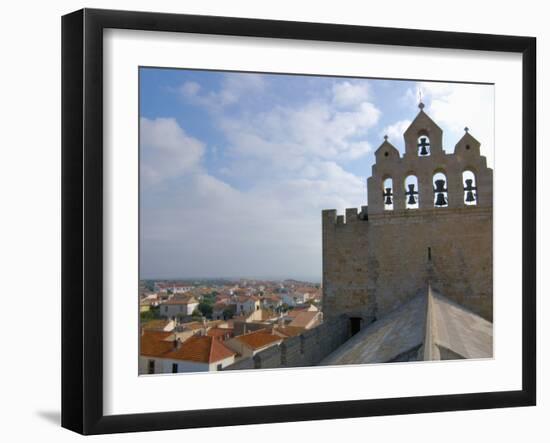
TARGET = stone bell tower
x,y
429,217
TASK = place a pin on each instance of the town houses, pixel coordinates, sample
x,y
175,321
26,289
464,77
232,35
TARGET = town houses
x,y
196,326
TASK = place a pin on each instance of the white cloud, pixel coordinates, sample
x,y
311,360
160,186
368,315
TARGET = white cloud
x,y
349,94
285,137
234,88
166,150
395,133
291,154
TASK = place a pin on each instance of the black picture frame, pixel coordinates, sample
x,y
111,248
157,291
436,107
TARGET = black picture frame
x,y
82,219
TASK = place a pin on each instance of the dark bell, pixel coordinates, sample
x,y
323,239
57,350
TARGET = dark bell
x,y
388,200
440,186
423,150
412,199
470,197
440,199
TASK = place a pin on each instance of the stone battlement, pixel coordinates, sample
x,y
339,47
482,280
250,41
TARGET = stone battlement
x,y
331,216
352,215
306,349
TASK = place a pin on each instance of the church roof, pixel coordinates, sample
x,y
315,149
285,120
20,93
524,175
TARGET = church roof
x,y
428,327
458,330
422,120
386,145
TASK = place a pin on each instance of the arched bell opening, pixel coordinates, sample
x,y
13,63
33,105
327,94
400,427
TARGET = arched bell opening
x,y
441,195
387,194
411,192
470,188
424,146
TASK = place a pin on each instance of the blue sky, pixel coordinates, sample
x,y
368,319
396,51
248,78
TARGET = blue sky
x,y
235,168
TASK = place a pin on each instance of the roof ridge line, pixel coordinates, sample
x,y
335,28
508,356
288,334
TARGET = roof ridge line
x,y
428,337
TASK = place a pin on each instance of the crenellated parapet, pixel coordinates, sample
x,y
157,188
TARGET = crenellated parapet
x,y
352,215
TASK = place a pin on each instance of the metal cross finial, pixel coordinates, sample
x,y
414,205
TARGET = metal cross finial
x,y
420,104
466,129
386,137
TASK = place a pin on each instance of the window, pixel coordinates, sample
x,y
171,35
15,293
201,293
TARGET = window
x,y
470,188
441,197
387,193
174,368
151,367
424,146
411,192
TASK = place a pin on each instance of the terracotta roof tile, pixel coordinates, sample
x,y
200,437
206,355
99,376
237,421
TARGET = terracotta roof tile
x,y
200,349
152,325
153,344
259,339
289,331
304,318
220,332
181,300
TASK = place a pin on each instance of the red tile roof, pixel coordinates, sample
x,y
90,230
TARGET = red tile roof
x,y
258,339
304,318
153,344
202,349
289,331
220,332
157,324
181,300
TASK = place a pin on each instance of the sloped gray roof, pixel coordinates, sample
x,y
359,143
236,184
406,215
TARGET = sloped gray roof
x,y
459,330
428,327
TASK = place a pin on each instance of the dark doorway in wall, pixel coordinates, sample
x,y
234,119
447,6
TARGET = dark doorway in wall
x,y
355,325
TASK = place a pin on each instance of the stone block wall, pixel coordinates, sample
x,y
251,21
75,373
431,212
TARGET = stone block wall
x,y
345,273
372,267
307,349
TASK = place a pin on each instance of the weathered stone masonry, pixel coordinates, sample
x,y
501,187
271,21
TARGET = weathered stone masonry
x,y
306,349
377,258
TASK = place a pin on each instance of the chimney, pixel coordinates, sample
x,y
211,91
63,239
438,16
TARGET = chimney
x,y
177,343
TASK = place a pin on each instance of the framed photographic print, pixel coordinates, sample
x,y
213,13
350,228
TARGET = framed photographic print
x,y
269,221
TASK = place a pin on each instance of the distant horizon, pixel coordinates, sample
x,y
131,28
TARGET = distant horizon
x,y
271,279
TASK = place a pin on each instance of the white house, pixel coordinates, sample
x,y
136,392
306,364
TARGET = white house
x,y
171,287
178,306
300,297
161,355
272,301
247,304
